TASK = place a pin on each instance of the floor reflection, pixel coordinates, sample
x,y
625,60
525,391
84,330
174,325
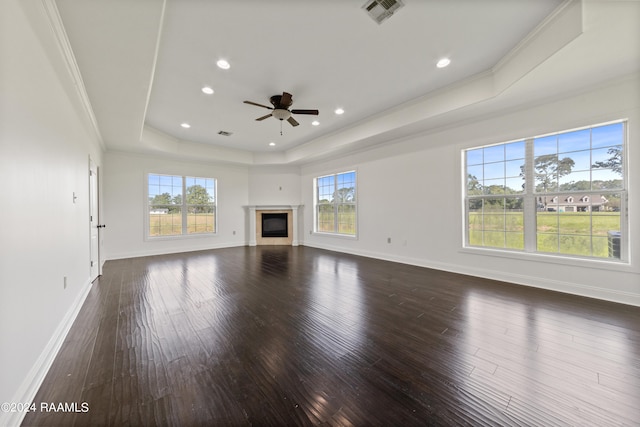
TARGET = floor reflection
x,y
275,260
535,357
336,304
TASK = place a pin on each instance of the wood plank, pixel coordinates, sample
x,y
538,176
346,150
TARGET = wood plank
x,y
281,335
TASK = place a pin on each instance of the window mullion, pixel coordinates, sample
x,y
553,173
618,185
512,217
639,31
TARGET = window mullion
x,y
184,205
624,222
530,205
335,205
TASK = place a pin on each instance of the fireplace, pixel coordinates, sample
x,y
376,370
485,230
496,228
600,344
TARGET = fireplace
x,y
275,224
256,223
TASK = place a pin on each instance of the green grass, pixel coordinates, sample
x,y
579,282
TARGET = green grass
x,y
346,222
571,233
171,224
579,233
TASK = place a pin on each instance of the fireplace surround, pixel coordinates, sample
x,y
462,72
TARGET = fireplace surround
x,y
255,224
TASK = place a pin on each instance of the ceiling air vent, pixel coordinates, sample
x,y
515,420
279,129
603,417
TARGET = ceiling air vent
x,y
225,133
379,10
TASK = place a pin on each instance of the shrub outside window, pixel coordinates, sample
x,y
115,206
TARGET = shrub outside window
x,y
562,194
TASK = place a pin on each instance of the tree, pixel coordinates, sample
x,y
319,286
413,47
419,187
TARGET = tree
x,y
549,169
614,162
161,199
494,189
165,201
473,185
612,184
199,196
514,203
344,195
576,186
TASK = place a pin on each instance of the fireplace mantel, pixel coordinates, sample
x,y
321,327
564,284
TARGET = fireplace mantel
x,y
251,215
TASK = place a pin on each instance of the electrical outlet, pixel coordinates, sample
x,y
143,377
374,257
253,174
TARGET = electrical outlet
x,y
64,283
388,239
234,232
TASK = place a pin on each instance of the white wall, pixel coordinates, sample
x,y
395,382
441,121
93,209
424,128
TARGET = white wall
x,y
410,191
274,185
45,145
124,193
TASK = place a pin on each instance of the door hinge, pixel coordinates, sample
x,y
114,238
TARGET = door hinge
x,y
91,263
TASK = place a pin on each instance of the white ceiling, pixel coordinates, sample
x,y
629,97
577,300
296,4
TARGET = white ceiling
x,y
143,64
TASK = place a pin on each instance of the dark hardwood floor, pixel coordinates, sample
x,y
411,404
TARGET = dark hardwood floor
x,y
302,336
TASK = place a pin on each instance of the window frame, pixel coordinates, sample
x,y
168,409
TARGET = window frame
x,y
530,196
184,209
336,205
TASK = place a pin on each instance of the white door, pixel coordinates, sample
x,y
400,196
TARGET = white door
x,y
94,221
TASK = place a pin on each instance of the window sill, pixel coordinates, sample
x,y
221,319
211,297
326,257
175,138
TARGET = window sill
x,y
179,237
604,264
339,236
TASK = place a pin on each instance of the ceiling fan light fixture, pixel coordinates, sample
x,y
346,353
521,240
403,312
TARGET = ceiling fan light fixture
x,y
208,90
281,111
281,114
339,111
315,123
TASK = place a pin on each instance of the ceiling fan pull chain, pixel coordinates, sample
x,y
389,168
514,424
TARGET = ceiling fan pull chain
x,y
280,127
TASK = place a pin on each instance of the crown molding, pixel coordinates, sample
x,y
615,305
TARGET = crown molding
x,y
62,41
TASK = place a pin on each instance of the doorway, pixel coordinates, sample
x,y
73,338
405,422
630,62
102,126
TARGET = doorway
x,y
94,221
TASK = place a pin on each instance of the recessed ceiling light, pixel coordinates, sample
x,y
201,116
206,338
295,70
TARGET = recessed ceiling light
x,y
224,64
272,144
185,125
207,90
339,111
443,62
315,123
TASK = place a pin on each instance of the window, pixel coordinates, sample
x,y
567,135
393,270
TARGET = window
x,y
556,194
495,184
335,204
180,205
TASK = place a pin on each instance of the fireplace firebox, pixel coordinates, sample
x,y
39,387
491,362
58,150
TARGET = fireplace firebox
x,y
274,225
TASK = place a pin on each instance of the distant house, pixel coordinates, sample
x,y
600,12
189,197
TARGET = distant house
x,y
159,211
570,203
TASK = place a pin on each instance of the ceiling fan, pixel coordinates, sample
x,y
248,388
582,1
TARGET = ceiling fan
x,y
281,111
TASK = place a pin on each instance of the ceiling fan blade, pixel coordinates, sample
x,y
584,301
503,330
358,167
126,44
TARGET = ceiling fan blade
x,y
293,121
263,117
257,105
286,100
312,112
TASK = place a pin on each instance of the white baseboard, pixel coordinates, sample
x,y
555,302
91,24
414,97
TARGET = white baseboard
x,y
611,295
29,387
167,251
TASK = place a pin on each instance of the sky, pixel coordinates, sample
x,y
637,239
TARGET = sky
x,y
501,164
160,184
